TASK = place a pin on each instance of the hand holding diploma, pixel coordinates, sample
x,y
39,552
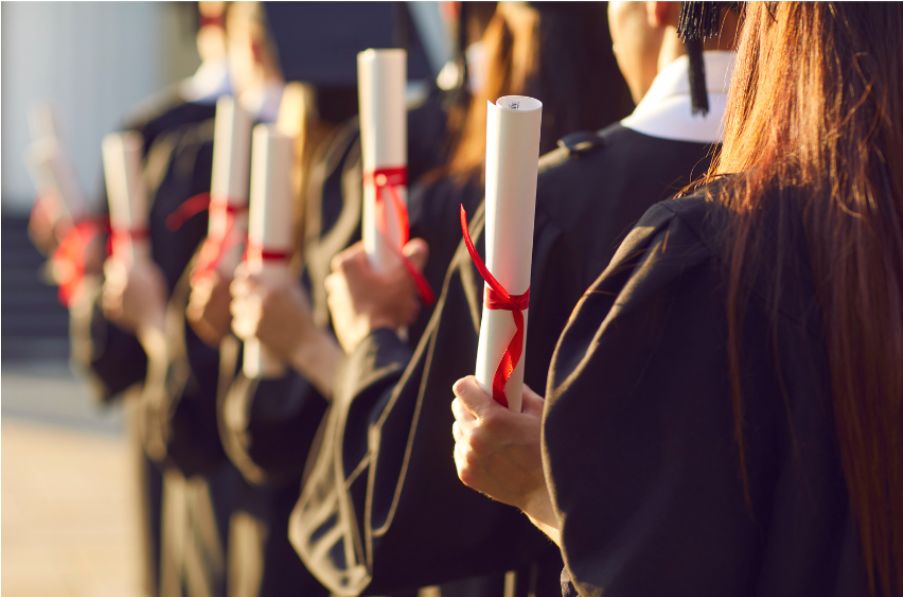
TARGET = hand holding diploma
x,y
270,224
208,306
382,77
134,296
512,162
122,157
276,312
58,224
229,188
363,299
498,451
134,293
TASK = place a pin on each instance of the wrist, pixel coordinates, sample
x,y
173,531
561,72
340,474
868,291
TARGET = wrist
x,y
537,504
380,322
151,333
317,357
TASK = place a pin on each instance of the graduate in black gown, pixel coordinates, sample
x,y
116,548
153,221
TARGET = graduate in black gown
x,y
382,485
723,412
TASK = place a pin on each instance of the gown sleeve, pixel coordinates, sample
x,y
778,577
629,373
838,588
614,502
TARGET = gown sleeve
x,y
113,360
638,430
267,425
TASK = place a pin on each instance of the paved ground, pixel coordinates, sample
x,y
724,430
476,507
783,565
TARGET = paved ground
x,y
69,524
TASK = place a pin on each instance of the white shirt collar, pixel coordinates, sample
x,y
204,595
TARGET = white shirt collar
x,y
207,84
665,111
263,103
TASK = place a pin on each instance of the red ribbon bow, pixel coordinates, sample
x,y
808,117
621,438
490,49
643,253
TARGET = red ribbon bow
x,y
390,179
69,257
497,298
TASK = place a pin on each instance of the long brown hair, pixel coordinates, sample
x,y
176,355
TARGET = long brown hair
x,y
816,106
559,53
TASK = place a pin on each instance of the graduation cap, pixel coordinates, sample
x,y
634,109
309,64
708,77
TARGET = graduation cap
x,y
699,21
318,42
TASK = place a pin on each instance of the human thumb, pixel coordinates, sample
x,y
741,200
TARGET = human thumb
x,y
417,251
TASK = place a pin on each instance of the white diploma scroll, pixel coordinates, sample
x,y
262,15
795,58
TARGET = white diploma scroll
x,y
512,159
44,122
382,76
270,225
229,183
54,176
126,195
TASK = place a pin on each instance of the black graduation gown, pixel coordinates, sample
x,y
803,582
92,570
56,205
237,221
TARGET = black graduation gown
x,y
639,438
382,508
435,217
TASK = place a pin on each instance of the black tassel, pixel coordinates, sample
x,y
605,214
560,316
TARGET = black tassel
x,y
699,20
699,95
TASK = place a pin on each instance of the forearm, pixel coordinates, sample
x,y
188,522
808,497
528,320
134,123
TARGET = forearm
x,y
538,508
113,359
318,358
552,531
152,336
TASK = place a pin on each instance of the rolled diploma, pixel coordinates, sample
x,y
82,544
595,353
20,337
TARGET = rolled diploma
x,y
44,122
512,160
270,223
231,172
382,76
54,174
126,194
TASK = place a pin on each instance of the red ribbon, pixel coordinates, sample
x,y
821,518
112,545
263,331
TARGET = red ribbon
x,y
69,257
122,235
390,179
261,253
214,248
497,298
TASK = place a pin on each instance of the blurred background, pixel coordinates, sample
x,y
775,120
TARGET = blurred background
x,y
68,525
91,62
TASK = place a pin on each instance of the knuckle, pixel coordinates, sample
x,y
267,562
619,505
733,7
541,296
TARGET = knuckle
x,y
476,443
490,423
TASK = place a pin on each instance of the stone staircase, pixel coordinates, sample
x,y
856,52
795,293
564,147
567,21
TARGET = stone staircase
x,y
33,324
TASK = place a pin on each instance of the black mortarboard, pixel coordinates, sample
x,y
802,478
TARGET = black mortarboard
x,y
318,42
698,21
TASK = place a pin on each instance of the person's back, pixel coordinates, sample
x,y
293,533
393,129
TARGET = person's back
x,y
731,383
